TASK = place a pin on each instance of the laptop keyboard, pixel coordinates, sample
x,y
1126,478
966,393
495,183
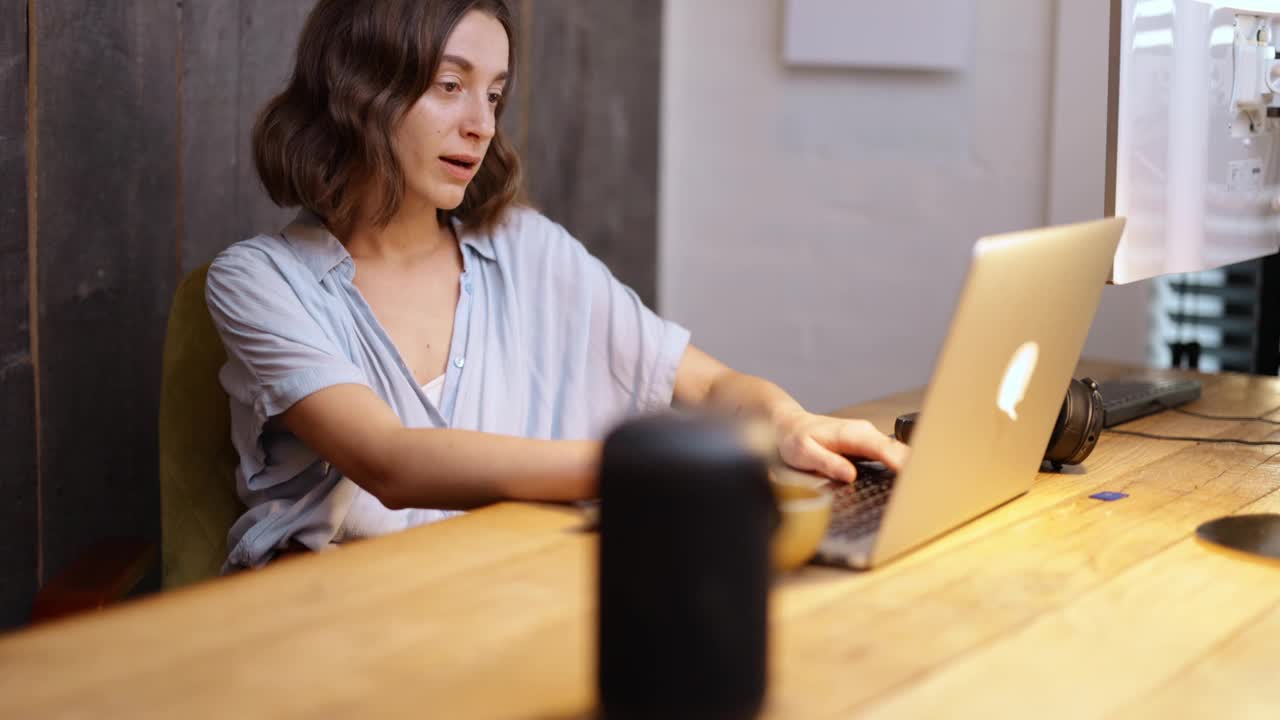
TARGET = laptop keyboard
x,y
858,507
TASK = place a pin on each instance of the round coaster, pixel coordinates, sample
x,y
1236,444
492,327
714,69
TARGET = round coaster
x,y
1254,534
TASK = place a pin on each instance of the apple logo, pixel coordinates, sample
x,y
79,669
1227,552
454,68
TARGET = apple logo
x,y
1013,388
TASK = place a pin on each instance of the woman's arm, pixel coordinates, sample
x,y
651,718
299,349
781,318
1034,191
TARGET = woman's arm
x,y
351,427
805,441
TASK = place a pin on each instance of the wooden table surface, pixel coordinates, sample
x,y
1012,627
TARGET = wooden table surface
x,y
1054,605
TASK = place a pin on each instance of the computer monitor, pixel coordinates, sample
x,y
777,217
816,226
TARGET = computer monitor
x,y
1194,134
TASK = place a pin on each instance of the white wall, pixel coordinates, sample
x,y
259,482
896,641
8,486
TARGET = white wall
x,y
1077,165
815,225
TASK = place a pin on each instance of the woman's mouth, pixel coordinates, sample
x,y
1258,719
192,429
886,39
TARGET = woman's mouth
x,y
461,167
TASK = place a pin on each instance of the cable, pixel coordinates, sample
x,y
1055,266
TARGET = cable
x,y
1235,418
1184,438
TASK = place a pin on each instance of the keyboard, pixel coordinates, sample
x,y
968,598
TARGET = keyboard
x,y
1131,398
858,507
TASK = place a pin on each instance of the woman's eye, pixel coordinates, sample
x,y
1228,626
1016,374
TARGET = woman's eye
x,y
495,98
450,86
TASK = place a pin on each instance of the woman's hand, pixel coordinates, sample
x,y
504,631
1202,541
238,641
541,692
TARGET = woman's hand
x,y
818,443
805,441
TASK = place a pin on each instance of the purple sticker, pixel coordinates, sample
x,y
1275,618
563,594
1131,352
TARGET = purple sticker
x,y
1108,496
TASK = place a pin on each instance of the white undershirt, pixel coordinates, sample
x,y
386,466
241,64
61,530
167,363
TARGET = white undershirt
x,y
435,391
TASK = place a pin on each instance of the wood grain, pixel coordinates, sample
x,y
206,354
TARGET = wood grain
x,y
283,624
1055,605
514,125
269,32
1176,604
236,57
107,224
1245,658
18,512
212,148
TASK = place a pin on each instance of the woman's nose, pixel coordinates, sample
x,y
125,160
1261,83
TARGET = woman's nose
x,y
480,121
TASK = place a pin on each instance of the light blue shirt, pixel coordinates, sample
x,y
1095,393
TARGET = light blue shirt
x,y
547,344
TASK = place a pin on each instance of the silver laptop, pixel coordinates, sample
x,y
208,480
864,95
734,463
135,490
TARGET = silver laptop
x,y
1016,336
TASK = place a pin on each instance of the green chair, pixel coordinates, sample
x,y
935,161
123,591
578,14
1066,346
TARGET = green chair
x,y
198,501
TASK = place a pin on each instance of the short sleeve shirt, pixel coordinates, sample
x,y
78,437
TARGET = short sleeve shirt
x,y
547,344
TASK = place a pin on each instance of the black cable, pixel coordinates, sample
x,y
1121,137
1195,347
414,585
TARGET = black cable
x,y
1184,438
1235,418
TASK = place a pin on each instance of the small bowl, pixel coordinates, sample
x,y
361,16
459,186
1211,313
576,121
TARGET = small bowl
x,y
804,504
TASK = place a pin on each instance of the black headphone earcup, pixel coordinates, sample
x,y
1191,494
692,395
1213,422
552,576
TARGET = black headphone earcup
x,y
1079,424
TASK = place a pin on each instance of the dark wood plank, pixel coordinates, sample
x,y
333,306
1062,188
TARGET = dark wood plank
x,y
236,57
18,524
269,32
107,224
212,149
514,123
593,128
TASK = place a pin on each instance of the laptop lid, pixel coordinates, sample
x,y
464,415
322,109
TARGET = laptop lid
x,y
1000,378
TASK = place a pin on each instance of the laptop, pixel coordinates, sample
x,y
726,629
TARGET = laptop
x,y
1000,379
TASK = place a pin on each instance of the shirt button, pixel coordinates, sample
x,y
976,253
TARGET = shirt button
x,y
459,361
467,287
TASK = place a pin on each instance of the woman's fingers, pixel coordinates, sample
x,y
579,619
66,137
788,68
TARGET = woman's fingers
x,y
820,444
833,465
861,439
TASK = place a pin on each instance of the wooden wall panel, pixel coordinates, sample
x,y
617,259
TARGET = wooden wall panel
x,y
107,225
269,32
236,57
211,148
18,524
514,125
595,85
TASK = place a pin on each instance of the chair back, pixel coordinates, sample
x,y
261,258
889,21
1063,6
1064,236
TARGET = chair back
x,y
198,501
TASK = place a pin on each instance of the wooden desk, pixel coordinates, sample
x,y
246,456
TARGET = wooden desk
x,y
1053,605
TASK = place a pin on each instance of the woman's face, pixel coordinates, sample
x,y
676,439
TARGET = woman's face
x,y
444,136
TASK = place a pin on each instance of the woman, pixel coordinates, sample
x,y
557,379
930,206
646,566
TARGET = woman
x,y
415,343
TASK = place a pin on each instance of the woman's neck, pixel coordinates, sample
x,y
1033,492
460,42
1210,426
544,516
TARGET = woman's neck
x,y
414,233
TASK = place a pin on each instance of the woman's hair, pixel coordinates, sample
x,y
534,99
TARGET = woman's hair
x,y
325,143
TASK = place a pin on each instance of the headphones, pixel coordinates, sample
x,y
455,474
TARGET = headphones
x,y
1075,433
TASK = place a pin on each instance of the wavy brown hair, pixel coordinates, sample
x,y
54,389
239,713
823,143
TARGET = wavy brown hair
x,y
325,143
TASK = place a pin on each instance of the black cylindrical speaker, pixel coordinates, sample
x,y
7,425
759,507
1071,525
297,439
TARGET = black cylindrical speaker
x,y
686,516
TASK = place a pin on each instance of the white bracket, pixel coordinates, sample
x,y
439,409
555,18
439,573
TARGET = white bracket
x,y
1257,73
